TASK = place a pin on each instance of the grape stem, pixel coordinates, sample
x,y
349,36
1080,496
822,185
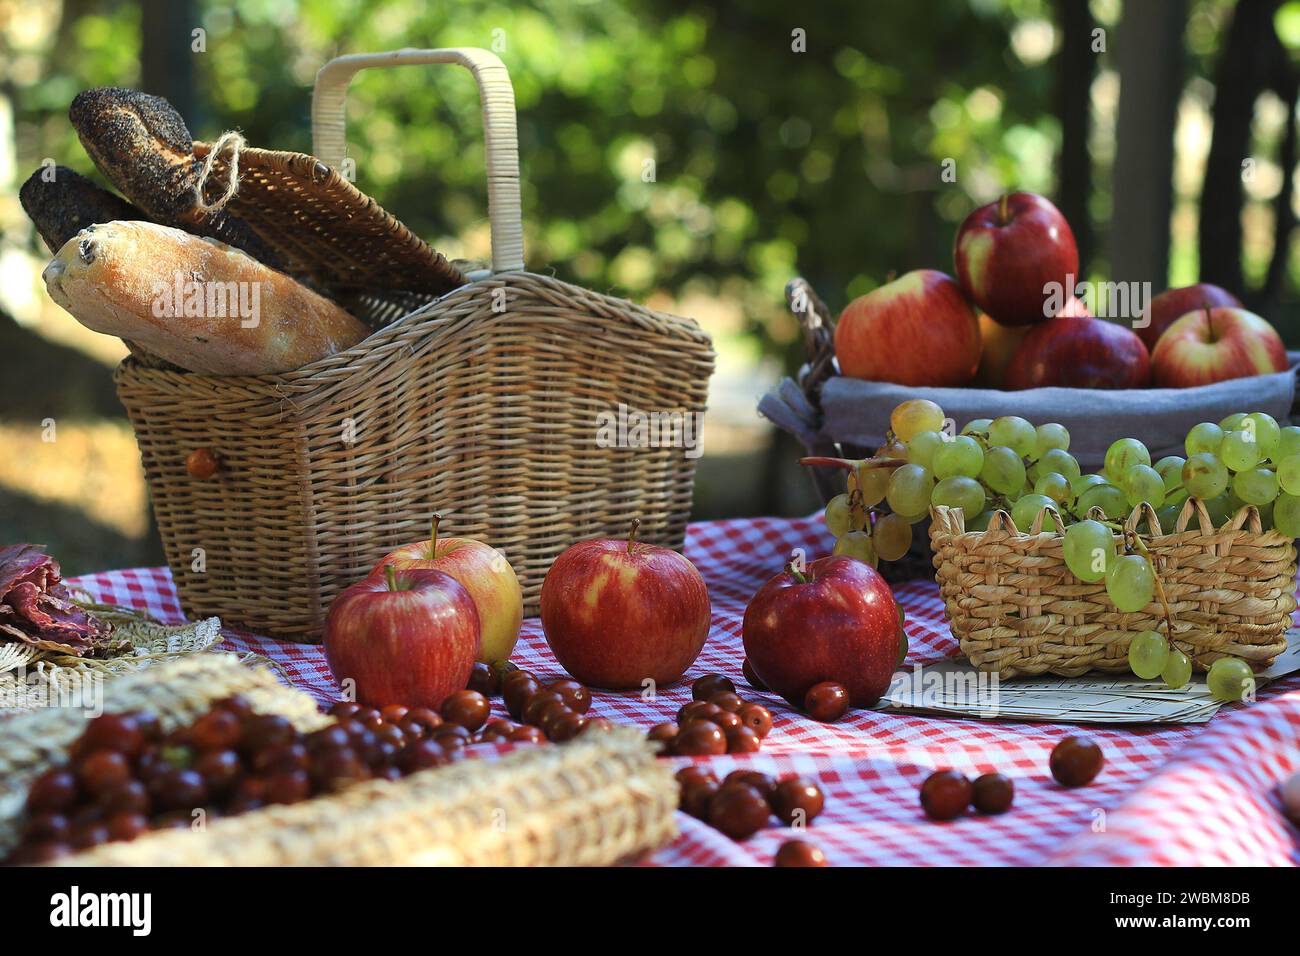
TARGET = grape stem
x,y
857,519
1140,546
823,461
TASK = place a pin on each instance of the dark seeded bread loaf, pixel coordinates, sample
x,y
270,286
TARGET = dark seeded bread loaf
x,y
61,202
141,144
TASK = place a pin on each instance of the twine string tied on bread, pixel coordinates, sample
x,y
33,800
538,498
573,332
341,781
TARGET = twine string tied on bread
x,y
234,141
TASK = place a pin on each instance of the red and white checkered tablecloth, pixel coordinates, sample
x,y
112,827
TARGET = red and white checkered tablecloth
x,y
1183,795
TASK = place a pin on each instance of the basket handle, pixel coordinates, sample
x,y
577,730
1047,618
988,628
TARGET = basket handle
x,y
818,336
328,120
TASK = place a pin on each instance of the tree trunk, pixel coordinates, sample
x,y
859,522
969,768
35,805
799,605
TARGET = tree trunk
x,y
166,54
1075,67
1245,63
1149,55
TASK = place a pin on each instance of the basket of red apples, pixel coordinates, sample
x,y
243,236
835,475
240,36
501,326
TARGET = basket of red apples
x,y
1017,331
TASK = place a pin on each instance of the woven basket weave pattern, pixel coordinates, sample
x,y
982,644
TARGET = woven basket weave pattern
x,y
597,800
1016,609
484,415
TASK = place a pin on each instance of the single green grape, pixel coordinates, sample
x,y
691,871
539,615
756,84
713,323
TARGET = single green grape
x,y
1170,470
1205,437
856,544
1089,549
1266,515
1286,515
872,484
980,425
1130,582
909,489
1230,679
1003,471
839,515
1027,509
961,456
1167,515
1124,454
1059,461
1268,435
1232,421
1205,476
1014,432
1240,451
1289,444
1084,482
1255,487
1148,653
902,647
1054,485
914,416
1052,435
958,491
1143,483
1288,474
893,536
1177,670
1219,508
981,523
1111,500
921,449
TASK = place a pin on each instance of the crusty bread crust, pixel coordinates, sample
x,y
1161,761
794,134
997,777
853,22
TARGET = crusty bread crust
x,y
196,302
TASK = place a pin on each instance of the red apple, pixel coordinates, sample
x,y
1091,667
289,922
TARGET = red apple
x,y
1214,345
917,330
484,572
837,621
1172,304
999,344
1008,252
407,637
617,613
1074,350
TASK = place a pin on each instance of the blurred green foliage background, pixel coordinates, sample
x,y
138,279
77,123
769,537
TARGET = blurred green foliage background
x,y
689,154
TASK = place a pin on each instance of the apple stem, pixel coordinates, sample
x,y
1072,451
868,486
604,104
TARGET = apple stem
x,y
796,573
631,535
1002,210
1209,321
390,575
433,536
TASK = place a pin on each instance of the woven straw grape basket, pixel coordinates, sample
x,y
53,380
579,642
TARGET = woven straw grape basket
x,y
1017,609
482,404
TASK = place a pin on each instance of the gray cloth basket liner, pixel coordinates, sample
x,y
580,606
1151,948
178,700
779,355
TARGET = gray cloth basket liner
x,y
856,412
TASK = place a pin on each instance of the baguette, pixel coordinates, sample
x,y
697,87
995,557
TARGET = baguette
x,y
197,303
60,203
143,147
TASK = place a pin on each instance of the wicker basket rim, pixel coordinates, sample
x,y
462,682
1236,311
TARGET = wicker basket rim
x,y
430,319
952,522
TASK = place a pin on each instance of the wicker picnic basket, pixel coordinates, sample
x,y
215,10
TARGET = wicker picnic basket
x,y
481,403
1017,609
599,799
